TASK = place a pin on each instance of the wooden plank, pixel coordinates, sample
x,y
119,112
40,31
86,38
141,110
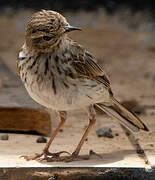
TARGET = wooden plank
x,y
114,152
18,119
75,173
19,145
18,112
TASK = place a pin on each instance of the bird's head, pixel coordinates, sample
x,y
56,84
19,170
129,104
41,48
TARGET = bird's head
x,y
45,30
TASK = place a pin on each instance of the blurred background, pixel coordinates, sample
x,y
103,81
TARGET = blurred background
x,y
120,33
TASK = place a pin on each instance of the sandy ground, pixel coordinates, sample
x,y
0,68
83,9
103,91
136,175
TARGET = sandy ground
x,y
127,53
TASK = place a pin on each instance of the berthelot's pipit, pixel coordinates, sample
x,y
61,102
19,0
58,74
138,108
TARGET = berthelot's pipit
x,y
60,74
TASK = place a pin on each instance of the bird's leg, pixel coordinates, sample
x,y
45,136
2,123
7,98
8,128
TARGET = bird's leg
x,y
63,116
91,114
46,153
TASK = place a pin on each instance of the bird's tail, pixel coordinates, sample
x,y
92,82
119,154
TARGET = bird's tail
x,y
125,117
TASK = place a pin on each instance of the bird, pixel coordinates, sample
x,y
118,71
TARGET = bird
x,y
62,75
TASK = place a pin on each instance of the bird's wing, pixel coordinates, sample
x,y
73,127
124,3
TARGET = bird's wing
x,y
86,66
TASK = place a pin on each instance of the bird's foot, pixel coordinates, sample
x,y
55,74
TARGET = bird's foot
x,y
46,156
56,157
70,158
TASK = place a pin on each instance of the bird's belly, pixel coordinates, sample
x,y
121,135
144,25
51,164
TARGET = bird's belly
x,y
78,94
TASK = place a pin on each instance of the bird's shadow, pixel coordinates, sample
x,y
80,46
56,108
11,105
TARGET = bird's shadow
x,y
93,159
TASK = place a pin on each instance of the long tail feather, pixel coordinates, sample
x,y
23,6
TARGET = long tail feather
x,y
125,117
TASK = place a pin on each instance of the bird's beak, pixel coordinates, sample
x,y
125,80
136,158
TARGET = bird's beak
x,y
71,28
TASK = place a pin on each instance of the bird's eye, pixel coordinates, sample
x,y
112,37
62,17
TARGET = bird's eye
x,y
47,38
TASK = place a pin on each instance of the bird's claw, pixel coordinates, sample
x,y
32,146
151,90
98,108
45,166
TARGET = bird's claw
x,y
46,156
28,158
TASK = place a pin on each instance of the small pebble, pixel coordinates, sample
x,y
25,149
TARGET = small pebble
x,y
116,134
91,152
151,145
147,75
41,140
140,151
139,110
61,130
4,137
104,132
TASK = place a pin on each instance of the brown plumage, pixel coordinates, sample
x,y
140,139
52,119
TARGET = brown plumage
x,y
60,74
